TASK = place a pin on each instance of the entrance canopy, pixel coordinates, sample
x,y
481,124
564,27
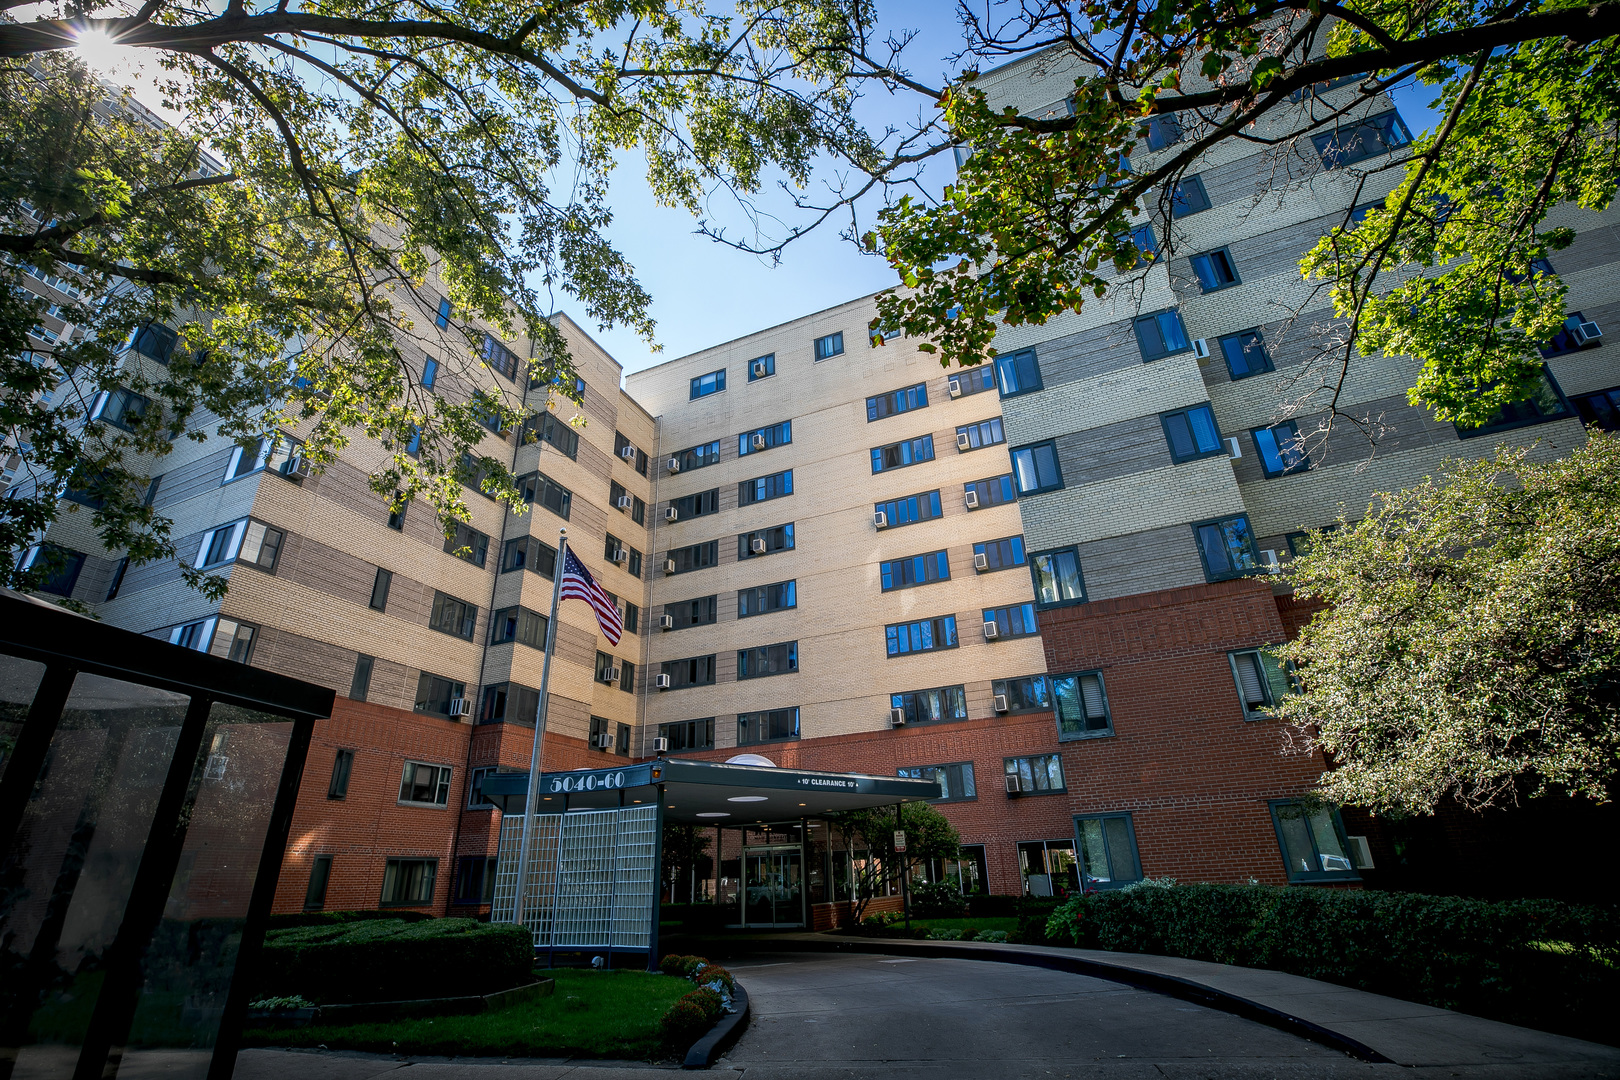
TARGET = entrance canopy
x,y
709,792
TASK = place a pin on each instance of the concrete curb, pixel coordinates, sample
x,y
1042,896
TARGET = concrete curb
x,y
1169,985
727,1030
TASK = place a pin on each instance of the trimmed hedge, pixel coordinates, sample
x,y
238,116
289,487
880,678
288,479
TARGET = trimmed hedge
x,y
1033,912
992,906
392,960
1543,963
330,918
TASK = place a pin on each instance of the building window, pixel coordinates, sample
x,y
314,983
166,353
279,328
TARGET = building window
x,y
527,553
984,433
764,438
765,541
931,706
1057,577
923,635
762,367
1035,468
1359,141
764,660
1145,243
1571,338
638,458
454,617
629,614
510,703
1600,410
909,509
425,785
1215,270
895,402
1000,554
1081,705
409,882
1188,198
693,671
193,635
360,684
1191,433
1281,449
1245,354
635,507
699,612
1546,402
955,780
974,380
247,541
1032,693
548,427
467,544
697,505
434,694
234,640
695,557
1161,131
156,341
698,457
500,358
475,788
688,734
762,488
117,578
1160,334
475,880
829,346
621,740
1312,842
271,452
712,383
610,669
1017,620
1263,679
915,570
396,514
777,725
1018,373
518,625
342,766
1037,773
540,490
1107,851
122,408
899,455
320,874
767,598
600,726
992,492
442,320
1227,547
64,577
430,372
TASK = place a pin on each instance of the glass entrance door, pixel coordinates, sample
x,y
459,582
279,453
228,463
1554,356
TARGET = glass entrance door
x,y
773,886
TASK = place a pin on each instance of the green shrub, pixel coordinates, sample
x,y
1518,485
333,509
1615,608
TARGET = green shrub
x,y
987,906
690,1016
997,937
706,973
940,900
1032,913
387,959
945,935
328,918
677,965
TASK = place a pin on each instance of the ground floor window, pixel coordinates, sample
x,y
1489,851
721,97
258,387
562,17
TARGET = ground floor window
x,y
966,872
409,882
475,880
319,876
1048,867
1107,850
1311,837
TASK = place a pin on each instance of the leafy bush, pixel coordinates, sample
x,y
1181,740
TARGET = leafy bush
x,y
987,906
371,959
1539,962
329,918
940,900
291,1001
945,935
678,965
1033,913
690,1017
996,937
706,974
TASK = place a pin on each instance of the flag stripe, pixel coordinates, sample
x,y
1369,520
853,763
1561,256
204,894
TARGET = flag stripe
x,y
578,584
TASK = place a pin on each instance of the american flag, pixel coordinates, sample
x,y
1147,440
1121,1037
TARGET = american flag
x,y
578,584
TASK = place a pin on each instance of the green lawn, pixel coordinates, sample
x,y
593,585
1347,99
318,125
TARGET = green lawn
x,y
598,1014
1004,922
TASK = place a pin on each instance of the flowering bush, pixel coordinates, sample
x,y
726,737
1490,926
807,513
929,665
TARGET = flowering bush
x,y
690,1016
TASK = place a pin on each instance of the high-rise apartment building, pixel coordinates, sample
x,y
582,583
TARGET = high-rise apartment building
x,y
1045,581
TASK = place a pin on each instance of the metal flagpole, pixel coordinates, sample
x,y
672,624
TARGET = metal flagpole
x,y
531,801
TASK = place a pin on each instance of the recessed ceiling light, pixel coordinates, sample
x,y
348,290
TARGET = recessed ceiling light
x,y
714,814
746,798
801,804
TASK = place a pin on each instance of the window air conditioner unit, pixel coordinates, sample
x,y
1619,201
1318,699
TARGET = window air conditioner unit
x,y
460,706
674,465
956,387
1201,348
669,566
962,442
757,545
661,682
981,562
991,631
757,440
759,369
610,675
897,717
881,519
972,498
671,514
620,555
666,622
604,741
297,466
1237,451
624,503
1014,786
660,746
1360,853
1587,331
628,453
1268,559
999,703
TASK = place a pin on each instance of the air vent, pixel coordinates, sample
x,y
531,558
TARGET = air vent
x,y
460,707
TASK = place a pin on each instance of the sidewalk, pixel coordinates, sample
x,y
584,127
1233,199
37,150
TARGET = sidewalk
x,y
1370,1027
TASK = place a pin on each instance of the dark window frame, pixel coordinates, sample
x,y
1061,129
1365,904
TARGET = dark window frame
x,y
1016,361
1179,458
1112,882
1239,336
1148,355
1063,785
891,508
1043,485
834,346
1224,254
1213,575
791,585
430,877
1178,198
941,628
1295,876
769,360
952,702
337,788
762,656
1058,600
1303,462
708,384
963,769
755,721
